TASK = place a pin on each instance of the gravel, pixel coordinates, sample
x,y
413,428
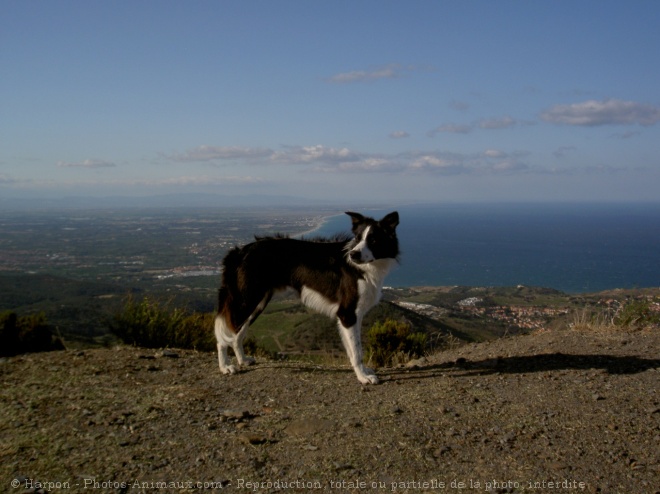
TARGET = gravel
x,y
554,411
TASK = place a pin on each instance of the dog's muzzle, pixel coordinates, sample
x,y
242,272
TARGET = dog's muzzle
x,y
356,257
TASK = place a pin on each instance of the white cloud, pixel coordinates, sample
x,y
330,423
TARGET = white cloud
x,y
201,180
322,159
409,162
399,134
509,166
367,164
6,179
435,163
452,129
192,180
213,153
86,164
315,154
496,123
391,71
593,113
326,159
494,153
484,124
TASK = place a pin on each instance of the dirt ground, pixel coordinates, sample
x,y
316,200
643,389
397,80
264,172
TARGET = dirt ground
x,y
554,411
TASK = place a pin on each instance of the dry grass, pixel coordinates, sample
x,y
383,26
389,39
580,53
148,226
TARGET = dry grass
x,y
635,314
589,319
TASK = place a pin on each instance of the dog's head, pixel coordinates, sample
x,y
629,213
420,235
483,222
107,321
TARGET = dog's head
x,y
374,240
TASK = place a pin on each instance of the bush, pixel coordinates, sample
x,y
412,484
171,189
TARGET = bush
x,y
24,334
638,313
152,324
393,341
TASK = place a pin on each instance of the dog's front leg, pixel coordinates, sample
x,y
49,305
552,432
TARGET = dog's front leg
x,y
351,337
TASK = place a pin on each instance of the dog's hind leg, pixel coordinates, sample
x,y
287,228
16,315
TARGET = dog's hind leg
x,y
351,337
227,338
224,337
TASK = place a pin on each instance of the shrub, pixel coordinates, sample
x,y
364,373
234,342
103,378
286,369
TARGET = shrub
x,y
393,341
588,319
638,313
23,334
152,324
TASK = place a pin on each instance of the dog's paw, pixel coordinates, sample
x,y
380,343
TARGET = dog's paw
x,y
230,369
368,379
248,361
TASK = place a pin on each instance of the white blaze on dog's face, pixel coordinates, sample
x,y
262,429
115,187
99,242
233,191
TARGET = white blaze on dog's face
x,y
361,254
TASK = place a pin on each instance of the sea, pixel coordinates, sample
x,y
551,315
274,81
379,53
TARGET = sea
x,y
574,248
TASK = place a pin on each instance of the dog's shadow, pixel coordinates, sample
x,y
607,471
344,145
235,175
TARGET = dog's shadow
x,y
547,362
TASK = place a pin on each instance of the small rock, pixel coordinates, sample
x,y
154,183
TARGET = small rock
x,y
251,438
235,414
597,397
168,354
415,364
352,424
441,451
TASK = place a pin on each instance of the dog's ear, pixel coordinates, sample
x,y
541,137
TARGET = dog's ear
x,y
390,221
357,219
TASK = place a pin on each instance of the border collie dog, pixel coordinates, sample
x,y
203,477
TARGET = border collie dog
x,y
340,277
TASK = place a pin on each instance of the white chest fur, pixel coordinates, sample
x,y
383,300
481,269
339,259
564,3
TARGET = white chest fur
x,y
370,288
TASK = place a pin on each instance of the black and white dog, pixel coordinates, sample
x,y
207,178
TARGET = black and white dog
x,y
341,278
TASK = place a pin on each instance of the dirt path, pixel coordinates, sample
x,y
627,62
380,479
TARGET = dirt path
x,y
551,412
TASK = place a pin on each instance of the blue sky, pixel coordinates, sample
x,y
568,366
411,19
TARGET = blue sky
x,y
342,100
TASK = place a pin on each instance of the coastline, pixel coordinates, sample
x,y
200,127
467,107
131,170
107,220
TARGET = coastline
x,y
322,222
